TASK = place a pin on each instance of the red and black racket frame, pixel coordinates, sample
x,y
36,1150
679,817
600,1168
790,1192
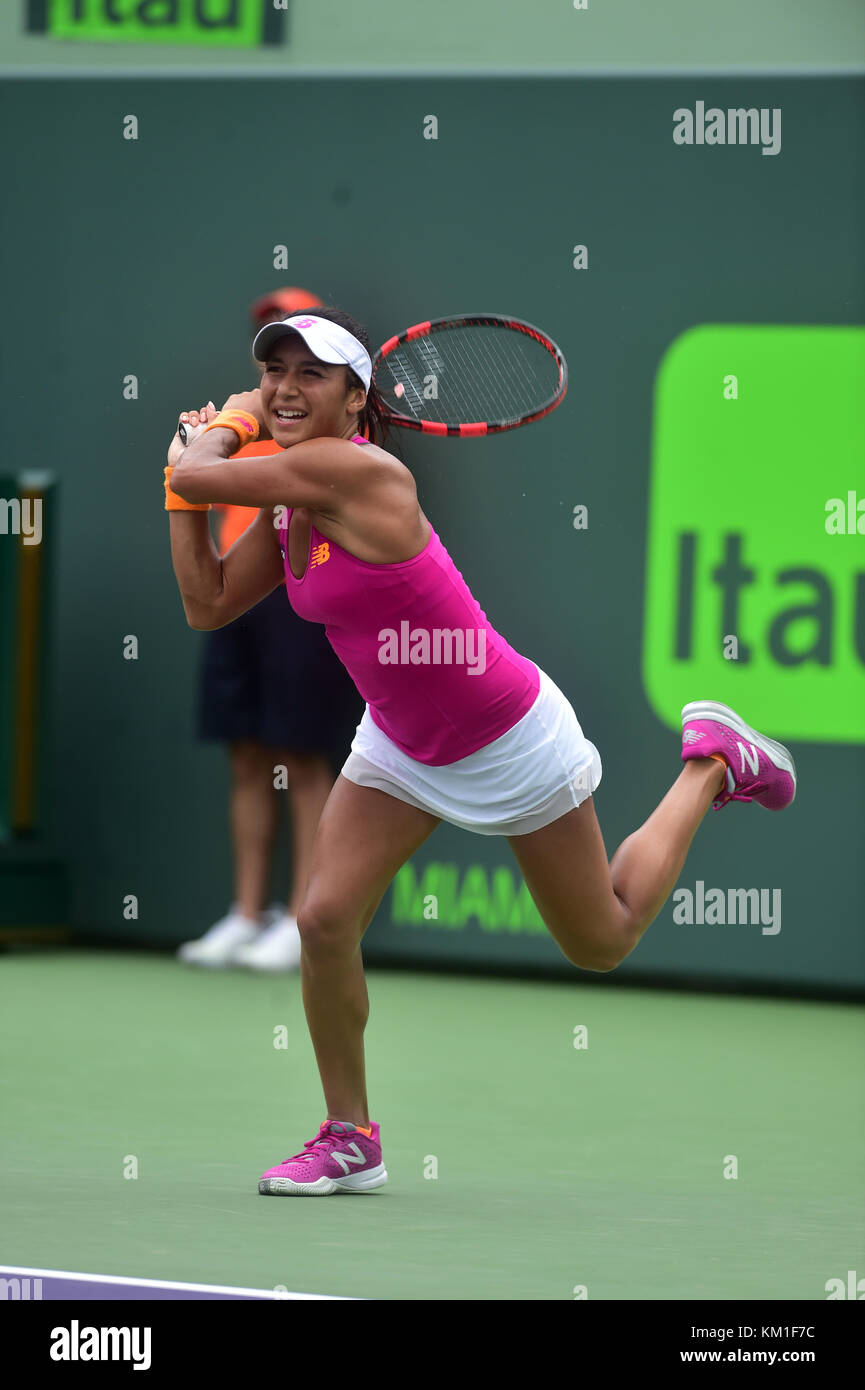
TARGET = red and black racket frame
x,y
473,428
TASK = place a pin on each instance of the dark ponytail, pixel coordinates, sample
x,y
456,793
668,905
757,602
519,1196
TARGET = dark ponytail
x,y
372,419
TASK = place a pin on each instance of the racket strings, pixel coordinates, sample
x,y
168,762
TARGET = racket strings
x,y
504,375
471,373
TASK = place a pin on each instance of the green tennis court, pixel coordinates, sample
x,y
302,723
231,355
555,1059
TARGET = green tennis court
x,y
520,1166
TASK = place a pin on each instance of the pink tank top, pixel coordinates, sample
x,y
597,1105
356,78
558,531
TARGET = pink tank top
x,y
439,681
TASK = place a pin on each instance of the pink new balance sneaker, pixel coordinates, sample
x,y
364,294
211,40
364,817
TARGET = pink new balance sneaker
x,y
342,1158
758,769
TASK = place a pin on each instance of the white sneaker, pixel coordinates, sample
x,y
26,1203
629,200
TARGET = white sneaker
x,y
219,946
277,947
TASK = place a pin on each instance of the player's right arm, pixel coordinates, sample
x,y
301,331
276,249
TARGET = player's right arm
x,y
217,589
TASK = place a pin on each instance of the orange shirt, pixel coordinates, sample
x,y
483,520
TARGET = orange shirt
x,y
233,520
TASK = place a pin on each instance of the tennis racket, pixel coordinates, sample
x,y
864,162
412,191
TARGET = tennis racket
x,y
468,375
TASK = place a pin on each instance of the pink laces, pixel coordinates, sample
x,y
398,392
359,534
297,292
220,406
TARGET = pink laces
x,y
322,1141
738,796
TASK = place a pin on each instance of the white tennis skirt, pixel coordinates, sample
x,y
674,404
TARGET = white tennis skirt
x,y
538,771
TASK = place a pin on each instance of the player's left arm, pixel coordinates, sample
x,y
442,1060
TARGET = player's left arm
x,y
316,473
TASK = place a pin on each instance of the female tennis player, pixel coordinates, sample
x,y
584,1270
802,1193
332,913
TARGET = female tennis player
x,y
458,726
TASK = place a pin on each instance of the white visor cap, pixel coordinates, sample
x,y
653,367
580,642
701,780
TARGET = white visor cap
x,y
325,340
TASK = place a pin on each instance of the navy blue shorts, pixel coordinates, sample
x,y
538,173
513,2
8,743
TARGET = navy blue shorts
x,y
273,678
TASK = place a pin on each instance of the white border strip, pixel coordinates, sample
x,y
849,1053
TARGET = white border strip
x,y
159,1283
402,74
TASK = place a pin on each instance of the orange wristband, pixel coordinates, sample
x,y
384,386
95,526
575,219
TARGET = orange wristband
x,y
173,503
245,426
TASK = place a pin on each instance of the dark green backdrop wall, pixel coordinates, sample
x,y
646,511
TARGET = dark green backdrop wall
x,y
138,258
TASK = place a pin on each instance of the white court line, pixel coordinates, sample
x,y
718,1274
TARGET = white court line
x,y
158,1283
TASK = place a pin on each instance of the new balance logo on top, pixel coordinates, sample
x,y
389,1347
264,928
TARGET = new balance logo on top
x,y
692,736
345,1159
753,760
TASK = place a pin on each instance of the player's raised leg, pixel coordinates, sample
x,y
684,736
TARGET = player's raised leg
x,y
597,912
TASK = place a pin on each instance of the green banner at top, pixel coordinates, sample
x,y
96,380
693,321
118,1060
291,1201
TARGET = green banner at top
x,y
239,24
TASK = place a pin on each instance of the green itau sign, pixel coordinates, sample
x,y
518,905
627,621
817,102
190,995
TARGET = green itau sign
x,y
199,23
755,564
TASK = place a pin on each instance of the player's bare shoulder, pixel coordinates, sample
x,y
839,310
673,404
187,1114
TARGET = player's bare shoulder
x,y
379,520
385,480
366,457
384,469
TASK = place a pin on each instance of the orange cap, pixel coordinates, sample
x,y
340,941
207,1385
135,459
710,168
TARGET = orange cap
x,y
290,300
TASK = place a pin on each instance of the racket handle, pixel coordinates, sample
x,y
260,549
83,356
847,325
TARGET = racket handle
x,y
189,432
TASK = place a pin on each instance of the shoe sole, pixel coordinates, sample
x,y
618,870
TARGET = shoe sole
x,y
708,709
324,1187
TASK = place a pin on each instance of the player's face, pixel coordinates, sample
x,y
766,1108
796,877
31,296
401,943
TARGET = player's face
x,y
316,392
